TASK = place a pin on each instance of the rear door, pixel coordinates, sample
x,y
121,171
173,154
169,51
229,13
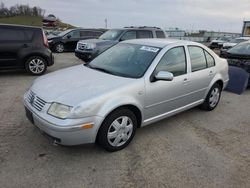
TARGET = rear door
x,y
202,71
12,41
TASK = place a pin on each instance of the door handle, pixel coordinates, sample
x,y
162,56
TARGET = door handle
x,y
25,45
185,80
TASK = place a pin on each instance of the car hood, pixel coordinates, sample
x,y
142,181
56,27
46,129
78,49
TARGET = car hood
x,y
76,84
229,44
99,42
53,37
217,41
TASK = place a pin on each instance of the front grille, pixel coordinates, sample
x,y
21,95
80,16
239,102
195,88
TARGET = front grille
x,y
36,101
81,46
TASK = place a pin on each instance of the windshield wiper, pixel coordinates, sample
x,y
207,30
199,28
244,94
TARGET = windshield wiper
x,y
99,69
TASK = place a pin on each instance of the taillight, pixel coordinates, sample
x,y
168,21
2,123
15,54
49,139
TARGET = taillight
x,y
45,40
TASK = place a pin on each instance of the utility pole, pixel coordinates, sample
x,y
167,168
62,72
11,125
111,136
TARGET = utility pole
x,y
106,23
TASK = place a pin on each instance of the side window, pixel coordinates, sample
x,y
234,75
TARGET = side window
x,y
9,34
84,33
197,56
144,34
74,34
129,35
210,59
96,33
173,61
160,34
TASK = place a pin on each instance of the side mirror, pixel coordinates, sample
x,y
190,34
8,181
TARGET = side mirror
x,y
68,36
164,75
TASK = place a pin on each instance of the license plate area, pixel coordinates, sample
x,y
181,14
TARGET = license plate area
x,y
29,115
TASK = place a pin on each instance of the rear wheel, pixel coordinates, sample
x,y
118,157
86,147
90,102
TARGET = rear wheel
x,y
117,130
36,65
213,98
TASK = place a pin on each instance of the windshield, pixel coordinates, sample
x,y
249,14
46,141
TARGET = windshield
x,y
111,34
127,60
243,48
64,32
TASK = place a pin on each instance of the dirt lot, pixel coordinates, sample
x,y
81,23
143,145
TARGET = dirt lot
x,y
192,149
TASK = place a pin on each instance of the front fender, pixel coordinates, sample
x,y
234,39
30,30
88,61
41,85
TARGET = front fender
x,y
117,102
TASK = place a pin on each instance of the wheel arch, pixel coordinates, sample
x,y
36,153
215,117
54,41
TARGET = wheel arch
x,y
137,112
25,58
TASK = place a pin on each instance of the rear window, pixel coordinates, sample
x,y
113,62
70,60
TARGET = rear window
x,y
15,34
160,34
144,34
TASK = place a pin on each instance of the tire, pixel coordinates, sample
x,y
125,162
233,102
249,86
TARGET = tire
x,y
213,98
35,65
120,134
59,48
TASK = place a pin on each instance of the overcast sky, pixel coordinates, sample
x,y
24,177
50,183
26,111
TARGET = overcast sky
x,y
215,15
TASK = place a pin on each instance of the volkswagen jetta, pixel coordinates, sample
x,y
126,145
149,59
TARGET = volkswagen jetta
x,y
130,85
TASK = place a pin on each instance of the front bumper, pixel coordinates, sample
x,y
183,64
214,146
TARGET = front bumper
x,y
85,55
71,133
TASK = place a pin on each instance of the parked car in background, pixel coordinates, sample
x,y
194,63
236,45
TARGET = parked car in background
x,y
218,43
89,49
239,56
130,85
67,40
234,42
24,47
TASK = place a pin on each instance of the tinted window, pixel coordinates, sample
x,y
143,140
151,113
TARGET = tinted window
x,y
9,34
144,34
160,34
243,48
74,34
129,35
86,33
210,59
198,60
128,60
173,61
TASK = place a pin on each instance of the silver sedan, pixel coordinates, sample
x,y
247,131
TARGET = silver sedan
x,y
131,85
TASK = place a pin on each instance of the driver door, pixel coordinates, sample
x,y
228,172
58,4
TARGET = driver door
x,y
163,97
71,40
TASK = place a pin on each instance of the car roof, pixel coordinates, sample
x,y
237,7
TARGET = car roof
x,y
21,26
139,28
160,43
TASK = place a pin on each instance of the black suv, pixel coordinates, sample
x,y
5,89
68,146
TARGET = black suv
x,y
67,40
89,49
24,47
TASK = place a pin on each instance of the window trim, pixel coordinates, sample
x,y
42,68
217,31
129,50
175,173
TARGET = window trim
x,y
204,56
182,46
205,51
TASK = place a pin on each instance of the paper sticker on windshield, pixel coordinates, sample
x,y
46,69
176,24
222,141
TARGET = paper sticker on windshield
x,y
149,49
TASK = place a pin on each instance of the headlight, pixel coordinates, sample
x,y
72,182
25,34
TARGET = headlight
x,y
90,46
59,110
49,41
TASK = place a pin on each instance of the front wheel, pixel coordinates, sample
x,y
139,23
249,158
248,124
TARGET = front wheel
x,y
213,98
35,65
59,48
117,130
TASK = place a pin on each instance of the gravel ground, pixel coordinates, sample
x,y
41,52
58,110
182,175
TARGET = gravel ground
x,y
191,149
